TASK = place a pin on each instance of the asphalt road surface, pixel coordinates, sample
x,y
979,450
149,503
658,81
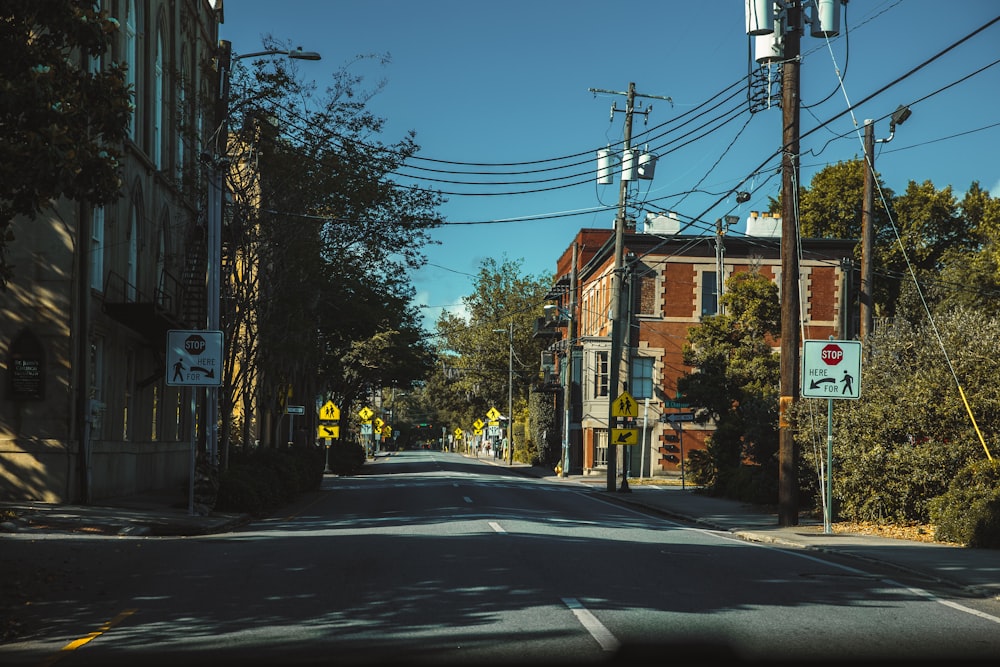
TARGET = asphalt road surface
x,y
433,558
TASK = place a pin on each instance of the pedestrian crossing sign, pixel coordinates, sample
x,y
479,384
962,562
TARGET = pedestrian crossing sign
x,y
625,406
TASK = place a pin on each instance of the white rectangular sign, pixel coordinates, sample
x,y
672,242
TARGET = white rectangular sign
x,y
194,358
831,369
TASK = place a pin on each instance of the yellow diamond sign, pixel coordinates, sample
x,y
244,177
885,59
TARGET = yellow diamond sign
x,y
625,406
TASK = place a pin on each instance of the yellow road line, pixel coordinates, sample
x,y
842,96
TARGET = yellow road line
x,y
77,643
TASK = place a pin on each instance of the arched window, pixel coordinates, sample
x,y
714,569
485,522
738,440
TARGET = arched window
x,y
161,260
97,248
183,125
132,261
132,59
158,102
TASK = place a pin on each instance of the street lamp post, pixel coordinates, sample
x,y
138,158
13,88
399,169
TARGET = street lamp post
x,y
216,196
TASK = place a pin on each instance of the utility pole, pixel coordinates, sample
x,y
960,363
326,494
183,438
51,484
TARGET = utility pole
x,y
867,298
614,381
867,231
568,368
617,302
788,501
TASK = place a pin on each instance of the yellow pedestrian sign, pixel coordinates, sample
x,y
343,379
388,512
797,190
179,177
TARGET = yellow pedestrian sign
x,y
624,436
493,415
329,412
478,424
365,413
326,431
625,406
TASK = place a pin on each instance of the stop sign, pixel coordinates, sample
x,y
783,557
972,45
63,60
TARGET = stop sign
x,y
831,354
194,344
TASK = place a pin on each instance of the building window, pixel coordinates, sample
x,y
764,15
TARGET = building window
x,y
600,448
131,59
127,412
97,249
95,392
644,292
709,293
132,272
601,373
158,102
641,381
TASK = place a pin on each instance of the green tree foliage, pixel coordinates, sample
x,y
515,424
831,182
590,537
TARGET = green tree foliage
x,y
911,432
925,232
971,277
735,383
832,207
322,238
61,126
475,350
930,227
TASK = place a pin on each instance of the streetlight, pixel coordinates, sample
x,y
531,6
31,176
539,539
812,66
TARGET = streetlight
x,y
898,117
510,391
216,196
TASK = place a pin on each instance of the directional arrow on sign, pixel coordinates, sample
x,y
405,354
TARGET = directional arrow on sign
x,y
625,436
681,417
816,383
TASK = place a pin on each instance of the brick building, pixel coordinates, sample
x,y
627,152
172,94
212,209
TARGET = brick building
x,y
672,281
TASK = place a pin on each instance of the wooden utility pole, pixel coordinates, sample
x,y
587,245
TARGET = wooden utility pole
x,y
788,507
617,316
868,232
615,385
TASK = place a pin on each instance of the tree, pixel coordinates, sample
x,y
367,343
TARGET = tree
x,y
62,123
930,227
912,429
475,349
832,207
735,384
320,242
971,277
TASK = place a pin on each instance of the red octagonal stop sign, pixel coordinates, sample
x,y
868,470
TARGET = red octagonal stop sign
x,y
831,354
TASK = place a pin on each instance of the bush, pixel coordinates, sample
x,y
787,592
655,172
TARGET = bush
x,y
345,458
969,512
260,480
699,468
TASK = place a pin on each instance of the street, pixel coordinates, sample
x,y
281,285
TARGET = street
x,y
429,557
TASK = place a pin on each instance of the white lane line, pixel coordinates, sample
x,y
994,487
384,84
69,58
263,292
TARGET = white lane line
x,y
468,499
496,527
596,629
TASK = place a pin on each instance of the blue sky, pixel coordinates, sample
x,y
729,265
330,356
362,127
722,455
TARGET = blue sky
x,y
503,88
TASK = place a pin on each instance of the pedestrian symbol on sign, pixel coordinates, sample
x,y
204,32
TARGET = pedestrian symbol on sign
x,y
831,369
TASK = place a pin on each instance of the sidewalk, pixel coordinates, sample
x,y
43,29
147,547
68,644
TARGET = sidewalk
x,y
975,570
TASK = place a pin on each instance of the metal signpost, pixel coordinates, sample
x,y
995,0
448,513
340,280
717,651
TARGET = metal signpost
x,y
831,369
194,359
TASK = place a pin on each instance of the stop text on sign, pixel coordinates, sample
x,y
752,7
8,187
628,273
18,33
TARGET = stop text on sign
x,y
831,354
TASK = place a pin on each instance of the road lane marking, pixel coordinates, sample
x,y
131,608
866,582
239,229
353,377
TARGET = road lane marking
x,y
86,639
468,500
596,629
496,527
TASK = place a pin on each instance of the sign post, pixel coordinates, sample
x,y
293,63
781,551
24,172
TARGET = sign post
x,y
194,359
831,369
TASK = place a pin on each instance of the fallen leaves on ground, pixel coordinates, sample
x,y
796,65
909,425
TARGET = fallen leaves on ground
x,y
916,533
